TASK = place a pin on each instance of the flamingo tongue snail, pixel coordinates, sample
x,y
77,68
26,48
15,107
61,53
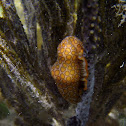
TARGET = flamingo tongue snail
x,y
70,69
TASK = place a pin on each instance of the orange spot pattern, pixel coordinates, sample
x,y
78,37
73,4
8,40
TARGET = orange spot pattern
x,y
70,69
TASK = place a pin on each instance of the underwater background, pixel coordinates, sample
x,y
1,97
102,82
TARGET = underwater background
x,y
30,33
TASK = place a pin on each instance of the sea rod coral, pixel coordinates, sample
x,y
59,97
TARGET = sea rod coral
x,y
25,70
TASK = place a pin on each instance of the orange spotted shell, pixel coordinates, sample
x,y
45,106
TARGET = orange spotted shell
x,y
70,69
